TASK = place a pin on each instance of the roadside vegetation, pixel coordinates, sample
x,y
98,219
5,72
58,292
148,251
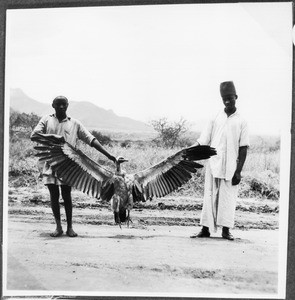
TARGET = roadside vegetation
x,y
260,174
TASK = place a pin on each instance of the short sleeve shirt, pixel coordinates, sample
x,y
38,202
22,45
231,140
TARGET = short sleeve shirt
x,y
226,135
71,129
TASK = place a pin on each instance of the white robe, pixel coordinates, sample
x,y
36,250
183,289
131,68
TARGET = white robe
x,y
226,134
219,202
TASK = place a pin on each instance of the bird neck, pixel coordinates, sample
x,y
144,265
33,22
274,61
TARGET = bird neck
x,y
118,169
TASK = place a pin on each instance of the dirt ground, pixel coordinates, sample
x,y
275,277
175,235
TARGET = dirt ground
x,y
155,256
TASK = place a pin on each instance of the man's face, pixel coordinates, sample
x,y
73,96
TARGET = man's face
x,y
60,106
229,102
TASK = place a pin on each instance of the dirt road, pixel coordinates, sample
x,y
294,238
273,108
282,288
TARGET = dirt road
x,y
149,258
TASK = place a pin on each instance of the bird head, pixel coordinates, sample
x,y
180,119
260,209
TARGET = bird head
x,y
120,160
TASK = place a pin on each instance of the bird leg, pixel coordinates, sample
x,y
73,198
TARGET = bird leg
x,y
117,219
128,218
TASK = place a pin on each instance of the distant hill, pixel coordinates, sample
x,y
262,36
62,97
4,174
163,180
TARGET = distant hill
x,y
90,115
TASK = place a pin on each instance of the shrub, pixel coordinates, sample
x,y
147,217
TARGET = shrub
x,y
260,185
125,144
22,124
169,133
260,174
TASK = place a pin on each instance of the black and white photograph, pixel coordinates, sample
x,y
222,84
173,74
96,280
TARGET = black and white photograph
x,y
147,150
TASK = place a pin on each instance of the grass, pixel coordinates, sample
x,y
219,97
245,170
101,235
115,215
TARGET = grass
x,y
260,173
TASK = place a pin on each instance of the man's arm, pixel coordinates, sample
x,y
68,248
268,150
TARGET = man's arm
x,y
240,163
89,139
97,145
40,128
35,137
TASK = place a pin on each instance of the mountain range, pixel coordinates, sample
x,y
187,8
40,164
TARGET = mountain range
x,y
91,116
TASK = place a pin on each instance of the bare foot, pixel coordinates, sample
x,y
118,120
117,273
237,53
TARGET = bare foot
x,y
56,233
71,232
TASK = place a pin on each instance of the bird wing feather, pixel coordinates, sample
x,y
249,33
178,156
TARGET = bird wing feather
x,y
171,173
75,168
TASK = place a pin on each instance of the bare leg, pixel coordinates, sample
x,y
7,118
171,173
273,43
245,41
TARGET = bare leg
x,y
66,195
54,200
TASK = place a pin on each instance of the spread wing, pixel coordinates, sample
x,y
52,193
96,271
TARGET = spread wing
x,y
171,173
74,167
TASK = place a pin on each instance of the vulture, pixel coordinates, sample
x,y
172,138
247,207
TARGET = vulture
x,y
78,170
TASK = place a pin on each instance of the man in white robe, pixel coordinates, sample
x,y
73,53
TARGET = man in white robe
x,y
228,134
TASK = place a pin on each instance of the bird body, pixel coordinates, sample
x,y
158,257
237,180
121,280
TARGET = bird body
x,y
122,199
76,169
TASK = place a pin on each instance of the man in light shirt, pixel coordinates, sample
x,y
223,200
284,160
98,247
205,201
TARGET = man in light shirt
x,y
228,133
70,130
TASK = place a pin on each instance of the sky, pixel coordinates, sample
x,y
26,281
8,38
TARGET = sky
x,y
152,61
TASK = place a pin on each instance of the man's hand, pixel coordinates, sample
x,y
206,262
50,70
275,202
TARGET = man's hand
x,y
57,138
61,139
236,178
96,144
113,158
240,163
195,144
35,137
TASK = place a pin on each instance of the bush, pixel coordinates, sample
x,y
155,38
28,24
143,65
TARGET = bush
x,y
21,124
21,148
260,174
194,187
169,133
260,185
125,144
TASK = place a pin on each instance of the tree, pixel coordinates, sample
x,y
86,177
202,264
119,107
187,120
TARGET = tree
x,y
31,120
169,133
22,122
